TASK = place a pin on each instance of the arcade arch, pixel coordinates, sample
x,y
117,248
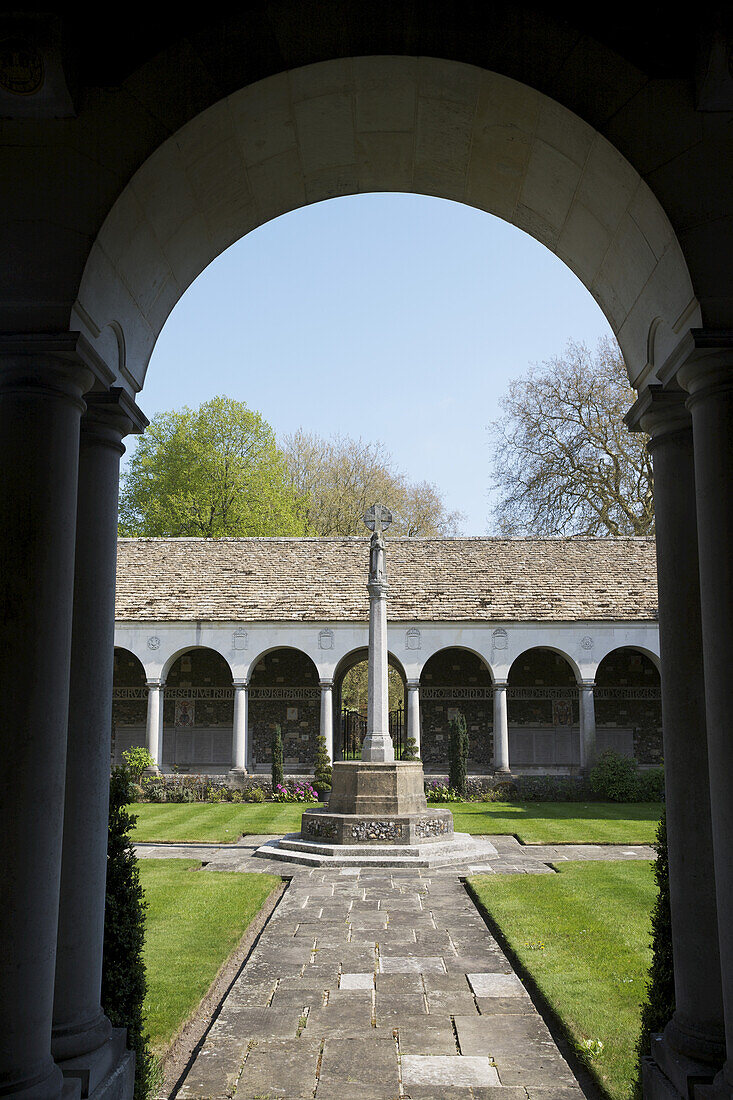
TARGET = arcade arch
x,y
284,689
129,703
628,705
455,680
543,711
350,699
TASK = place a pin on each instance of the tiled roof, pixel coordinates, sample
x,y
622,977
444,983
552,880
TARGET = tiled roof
x,y
431,579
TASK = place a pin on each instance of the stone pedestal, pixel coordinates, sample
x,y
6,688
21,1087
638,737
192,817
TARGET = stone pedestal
x,y
377,814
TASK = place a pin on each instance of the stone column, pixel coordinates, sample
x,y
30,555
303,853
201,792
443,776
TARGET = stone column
x,y
708,378
378,743
82,1042
501,728
154,730
587,725
413,713
693,1040
42,382
327,715
239,731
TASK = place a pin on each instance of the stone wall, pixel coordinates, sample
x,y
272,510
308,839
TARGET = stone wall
x,y
299,715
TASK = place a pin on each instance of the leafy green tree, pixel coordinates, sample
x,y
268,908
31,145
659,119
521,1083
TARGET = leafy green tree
x,y
210,472
278,774
137,760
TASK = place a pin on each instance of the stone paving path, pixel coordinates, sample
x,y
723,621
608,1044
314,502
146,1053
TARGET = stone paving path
x,y
376,984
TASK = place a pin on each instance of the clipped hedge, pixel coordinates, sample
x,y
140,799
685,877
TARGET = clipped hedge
x,y
124,983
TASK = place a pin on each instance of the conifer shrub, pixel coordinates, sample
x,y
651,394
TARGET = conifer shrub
x,y
322,771
410,750
458,754
659,1006
278,774
124,983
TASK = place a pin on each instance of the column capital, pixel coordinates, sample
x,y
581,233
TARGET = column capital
x,y
659,413
239,684
500,685
326,683
112,414
155,682
64,363
586,685
708,364
413,685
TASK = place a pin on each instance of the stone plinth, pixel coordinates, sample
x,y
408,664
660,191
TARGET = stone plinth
x,y
365,828
375,788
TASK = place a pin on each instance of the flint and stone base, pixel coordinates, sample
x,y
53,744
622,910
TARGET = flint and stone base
x,y
377,814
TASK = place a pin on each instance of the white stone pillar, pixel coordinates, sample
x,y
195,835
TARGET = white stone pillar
x,y
239,731
327,715
501,727
83,1043
587,726
154,729
378,743
413,714
42,382
693,1045
708,378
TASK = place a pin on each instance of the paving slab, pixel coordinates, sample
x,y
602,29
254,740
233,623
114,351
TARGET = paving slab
x,y
379,984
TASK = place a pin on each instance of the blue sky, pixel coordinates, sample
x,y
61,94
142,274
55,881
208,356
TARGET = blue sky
x,y
393,317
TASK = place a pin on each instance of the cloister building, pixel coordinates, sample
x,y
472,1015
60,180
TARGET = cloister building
x,y
549,647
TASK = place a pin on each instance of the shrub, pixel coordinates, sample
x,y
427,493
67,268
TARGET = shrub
x,y
137,792
440,792
410,750
614,777
278,775
123,972
254,794
660,999
323,772
651,785
235,796
554,788
458,754
137,760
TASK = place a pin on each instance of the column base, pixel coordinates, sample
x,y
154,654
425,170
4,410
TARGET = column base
x,y
669,1075
102,1073
152,770
236,776
502,770
51,1087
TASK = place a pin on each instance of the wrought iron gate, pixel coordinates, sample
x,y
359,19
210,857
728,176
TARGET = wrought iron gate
x,y
354,727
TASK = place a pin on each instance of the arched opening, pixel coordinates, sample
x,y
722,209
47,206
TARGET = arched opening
x,y
453,681
198,713
543,711
351,689
129,704
443,128
284,691
628,705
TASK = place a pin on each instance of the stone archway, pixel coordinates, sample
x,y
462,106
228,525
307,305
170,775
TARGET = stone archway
x,y
198,713
284,690
129,703
543,710
350,703
628,705
424,125
456,680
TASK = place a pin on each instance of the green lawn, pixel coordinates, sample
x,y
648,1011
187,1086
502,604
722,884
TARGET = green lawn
x,y
561,822
584,936
217,822
532,822
194,921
